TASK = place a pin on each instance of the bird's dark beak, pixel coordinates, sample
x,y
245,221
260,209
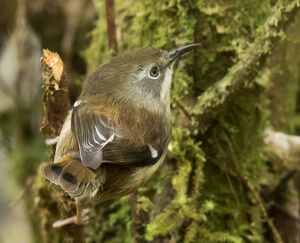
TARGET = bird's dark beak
x,y
176,53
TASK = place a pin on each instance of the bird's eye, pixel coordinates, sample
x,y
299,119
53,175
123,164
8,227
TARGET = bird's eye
x,y
154,72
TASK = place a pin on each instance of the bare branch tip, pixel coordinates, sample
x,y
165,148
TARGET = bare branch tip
x,y
53,60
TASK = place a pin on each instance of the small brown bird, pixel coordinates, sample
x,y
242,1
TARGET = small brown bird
x,y
117,133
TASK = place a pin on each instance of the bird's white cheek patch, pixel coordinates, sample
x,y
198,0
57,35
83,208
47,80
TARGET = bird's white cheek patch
x,y
153,151
165,89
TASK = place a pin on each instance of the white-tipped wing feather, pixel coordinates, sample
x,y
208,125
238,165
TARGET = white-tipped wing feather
x,y
100,140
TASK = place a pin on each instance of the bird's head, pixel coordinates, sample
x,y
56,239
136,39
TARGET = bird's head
x,y
142,76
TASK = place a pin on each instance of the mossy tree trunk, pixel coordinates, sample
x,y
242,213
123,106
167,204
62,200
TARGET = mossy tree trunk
x,y
208,190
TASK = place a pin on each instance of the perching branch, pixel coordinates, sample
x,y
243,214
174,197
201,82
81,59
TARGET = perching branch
x,y
56,106
56,96
251,62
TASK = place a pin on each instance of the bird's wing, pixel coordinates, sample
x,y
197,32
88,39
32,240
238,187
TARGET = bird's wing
x,y
100,140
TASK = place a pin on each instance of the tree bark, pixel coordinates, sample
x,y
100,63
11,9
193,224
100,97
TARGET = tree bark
x,y
56,106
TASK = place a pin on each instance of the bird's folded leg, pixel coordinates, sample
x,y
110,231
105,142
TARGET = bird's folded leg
x,y
80,218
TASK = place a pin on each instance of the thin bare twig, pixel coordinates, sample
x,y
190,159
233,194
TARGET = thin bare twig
x,y
139,219
111,26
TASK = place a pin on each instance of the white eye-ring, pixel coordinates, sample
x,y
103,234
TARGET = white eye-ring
x,y
154,72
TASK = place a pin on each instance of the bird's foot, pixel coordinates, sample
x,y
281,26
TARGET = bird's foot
x,y
81,219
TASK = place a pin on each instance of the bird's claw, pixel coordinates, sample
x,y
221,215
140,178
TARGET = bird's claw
x,y
85,219
82,220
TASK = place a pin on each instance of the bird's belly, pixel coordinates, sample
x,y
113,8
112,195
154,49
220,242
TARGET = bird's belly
x,y
121,181
143,174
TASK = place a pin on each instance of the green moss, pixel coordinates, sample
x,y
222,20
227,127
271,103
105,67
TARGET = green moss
x,y
235,158
110,222
203,195
202,192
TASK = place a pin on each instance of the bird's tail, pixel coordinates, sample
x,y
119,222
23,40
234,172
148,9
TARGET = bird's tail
x,y
70,174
